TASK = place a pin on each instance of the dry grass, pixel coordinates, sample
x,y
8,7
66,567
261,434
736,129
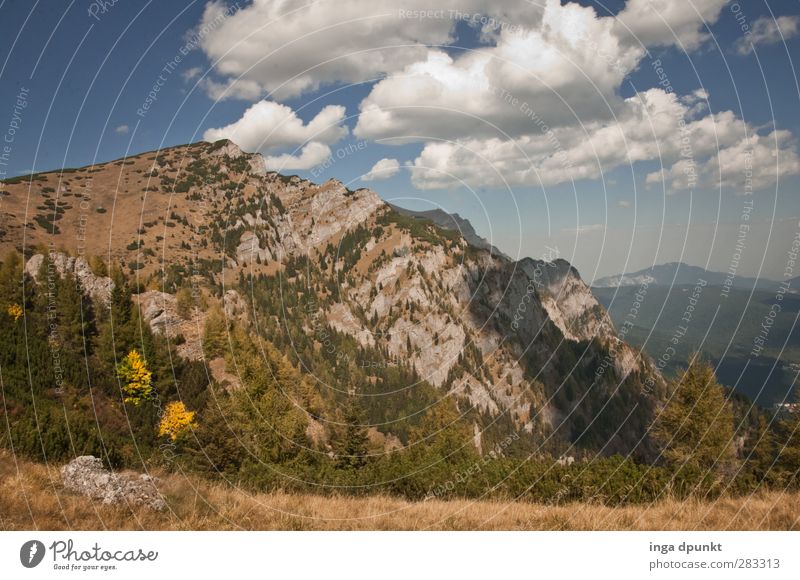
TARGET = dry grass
x,y
31,497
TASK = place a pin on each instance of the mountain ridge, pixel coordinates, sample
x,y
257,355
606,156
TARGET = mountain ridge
x,y
680,274
522,347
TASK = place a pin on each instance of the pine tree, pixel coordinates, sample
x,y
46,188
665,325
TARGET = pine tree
x,y
184,303
215,334
264,413
74,315
117,328
354,446
220,450
11,281
695,428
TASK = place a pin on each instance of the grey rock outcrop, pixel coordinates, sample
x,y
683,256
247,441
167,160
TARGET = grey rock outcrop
x,y
97,287
87,476
234,305
160,311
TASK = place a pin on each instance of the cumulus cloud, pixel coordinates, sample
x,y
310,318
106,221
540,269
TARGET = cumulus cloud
x,y
567,69
309,157
666,22
652,125
542,106
754,162
538,103
767,30
646,126
122,130
287,49
267,126
383,169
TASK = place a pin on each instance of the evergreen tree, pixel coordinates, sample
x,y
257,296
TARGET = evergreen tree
x,y
264,412
117,330
184,303
695,428
215,334
219,451
354,446
74,315
760,451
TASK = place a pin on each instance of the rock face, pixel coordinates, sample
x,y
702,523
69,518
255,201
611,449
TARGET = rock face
x,y
568,301
160,311
97,287
87,476
522,346
234,305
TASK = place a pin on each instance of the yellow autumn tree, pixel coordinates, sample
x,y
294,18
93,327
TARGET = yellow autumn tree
x,y
14,311
137,379
176,419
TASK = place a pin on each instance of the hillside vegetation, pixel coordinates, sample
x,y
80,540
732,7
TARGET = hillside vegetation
x,y
239,325
31,497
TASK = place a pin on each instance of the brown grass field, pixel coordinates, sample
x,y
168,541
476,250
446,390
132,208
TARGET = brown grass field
x,y
32,497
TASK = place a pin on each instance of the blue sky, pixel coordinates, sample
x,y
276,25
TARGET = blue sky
x,y
86,73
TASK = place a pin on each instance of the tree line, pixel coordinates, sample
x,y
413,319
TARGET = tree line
x,y
79,377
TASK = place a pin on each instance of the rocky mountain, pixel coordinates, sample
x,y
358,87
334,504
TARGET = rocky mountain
x,y
681,274
399,309
452,221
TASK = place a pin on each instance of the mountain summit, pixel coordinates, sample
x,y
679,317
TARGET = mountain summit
x,y
363,299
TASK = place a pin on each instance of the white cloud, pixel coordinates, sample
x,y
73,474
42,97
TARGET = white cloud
x,y
192,73
538,104
624,203
566,70
542,105
667,22
383,169
652,125
267,126
232,88
291,48
287,49
311,155
122,130
749,165
646,128
767,30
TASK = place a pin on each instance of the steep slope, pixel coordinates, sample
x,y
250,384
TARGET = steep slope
x,y
452,221
362,298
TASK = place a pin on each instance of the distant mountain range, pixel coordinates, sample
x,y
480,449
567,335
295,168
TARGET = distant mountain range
x,y
681,274
674,319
